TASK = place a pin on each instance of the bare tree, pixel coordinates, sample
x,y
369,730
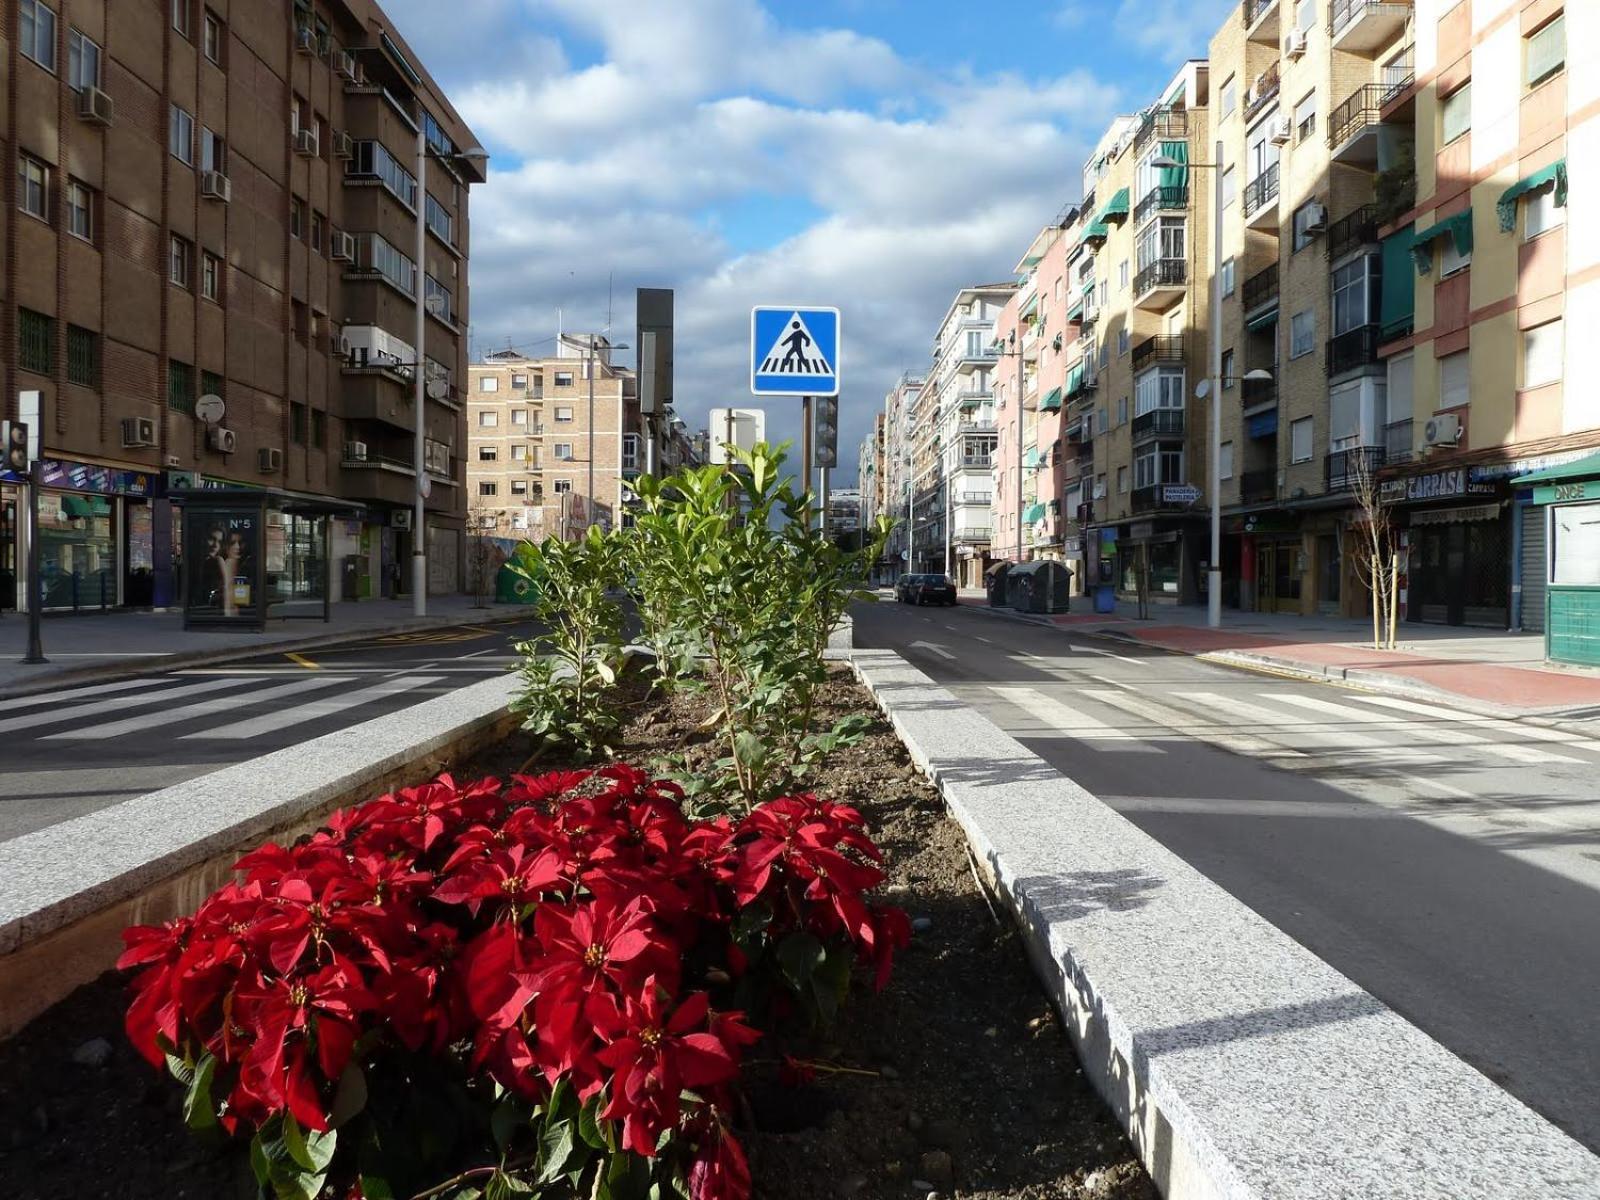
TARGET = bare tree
x,y
482,524
1377,553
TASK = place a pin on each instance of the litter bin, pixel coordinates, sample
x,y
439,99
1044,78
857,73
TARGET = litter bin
x,y
512,587
995,581
1105,598
1042,586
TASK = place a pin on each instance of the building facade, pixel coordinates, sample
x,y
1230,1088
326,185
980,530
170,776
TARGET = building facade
x,y
903,547
220,201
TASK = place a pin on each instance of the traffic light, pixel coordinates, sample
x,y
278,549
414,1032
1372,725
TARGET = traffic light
x,y
14,446
827,431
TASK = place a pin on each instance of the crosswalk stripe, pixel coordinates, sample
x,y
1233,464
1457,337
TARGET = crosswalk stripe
x,y
1187,725
1532,733
1443,737
82,693
205,708
1321,733
1072,722
78,712
325,707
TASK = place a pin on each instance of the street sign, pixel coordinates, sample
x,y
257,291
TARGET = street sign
x,y
794,351
1179,493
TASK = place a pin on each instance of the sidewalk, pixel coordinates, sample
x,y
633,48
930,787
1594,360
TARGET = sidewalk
x,y
105,645
1503,672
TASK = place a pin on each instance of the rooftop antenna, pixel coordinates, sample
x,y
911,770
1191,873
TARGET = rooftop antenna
x,y
610,279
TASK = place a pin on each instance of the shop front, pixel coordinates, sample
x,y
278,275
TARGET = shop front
x,y
1456,544
1568,498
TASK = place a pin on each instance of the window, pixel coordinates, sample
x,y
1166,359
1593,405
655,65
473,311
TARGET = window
x,y
519,453
83,356
1302,333
562,486
180,386
440,222
300,318
1122,275
1123,340
1158,465
1161,387
213,151
489,383
1455,380
563,413
297,423
1230,186
1163,239
180,16
1228,273
1305,117
1541,354
33,187
80,210
391,264
1546,51
1451,259
563,450
1355,294
210,276
1305,15
440,303
1455,114
1122,410
488,454
297,217
318,225
1105,357
211,36
373,161
1122,480
37,32
1230,97
319,428
519,417
83,62
210,383
180,258
564,379
180,136
519,383
1300,440
1543,213
519,487
1225,461
488,487
488,419
1228,379
36,352
1303,232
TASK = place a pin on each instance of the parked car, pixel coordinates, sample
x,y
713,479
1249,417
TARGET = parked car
x,y
931,589
902,588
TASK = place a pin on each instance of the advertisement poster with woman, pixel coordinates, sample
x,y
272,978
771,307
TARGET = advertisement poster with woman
x,y
224,555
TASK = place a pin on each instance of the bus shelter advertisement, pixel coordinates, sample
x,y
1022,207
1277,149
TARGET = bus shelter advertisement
x,y
224,556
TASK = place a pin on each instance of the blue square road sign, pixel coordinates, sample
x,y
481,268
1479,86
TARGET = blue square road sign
x,y
794,351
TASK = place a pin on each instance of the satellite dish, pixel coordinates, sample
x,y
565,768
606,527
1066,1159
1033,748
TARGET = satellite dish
x,y
438,388
210,409
1202,389
425,487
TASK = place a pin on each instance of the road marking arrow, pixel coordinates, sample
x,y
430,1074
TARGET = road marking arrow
x,y
937,649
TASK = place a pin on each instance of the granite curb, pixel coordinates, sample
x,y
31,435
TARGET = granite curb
x,y
1242,1066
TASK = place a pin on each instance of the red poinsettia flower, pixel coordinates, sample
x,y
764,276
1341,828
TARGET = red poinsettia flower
x,y
512,876
720,1170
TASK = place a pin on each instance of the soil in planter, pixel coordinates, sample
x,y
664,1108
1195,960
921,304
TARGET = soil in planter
x,y
957,1078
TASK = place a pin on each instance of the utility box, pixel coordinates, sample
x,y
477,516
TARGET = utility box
x,y
1043,586
995,582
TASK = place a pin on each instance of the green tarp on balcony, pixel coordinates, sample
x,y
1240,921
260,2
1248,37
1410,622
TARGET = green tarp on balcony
x,y
1097,229
1174,177
1458,228
1030,457
1034,512
1076,311
1075,379
1116,208
1028,310
1051,402
1399,296
1506,207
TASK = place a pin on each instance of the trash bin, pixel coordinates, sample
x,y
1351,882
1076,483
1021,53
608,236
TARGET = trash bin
x,y
1105,598
995,582
512,587
1042,586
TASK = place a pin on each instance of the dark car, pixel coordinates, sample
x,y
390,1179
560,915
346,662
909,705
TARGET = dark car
x,y
930,589
902,588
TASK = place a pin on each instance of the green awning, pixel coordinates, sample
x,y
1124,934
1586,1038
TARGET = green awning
x,y
1506,206
1076,311
1097,229
1075,379
1116,208
1052,401
1264,320
1030,457
1581,468
1399,295
1174,177
1029,309
1032,260
1458,228
1034,512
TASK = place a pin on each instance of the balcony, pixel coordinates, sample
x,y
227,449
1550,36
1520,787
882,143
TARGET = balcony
x,y
1080,384
1257,395
1151,499
1155,350
1161,199
1394,193
1366,26
1353,126
972,533
1262,92
1260,19
1261,200
1168,124
1161,285
1258,487
1158,425
1399,92
1261,289
975,498
970,361
1397,442
1352,232
977,462
1354,348
1344,468
985,425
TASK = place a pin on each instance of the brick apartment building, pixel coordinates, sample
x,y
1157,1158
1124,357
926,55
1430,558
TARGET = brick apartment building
x,y
219,199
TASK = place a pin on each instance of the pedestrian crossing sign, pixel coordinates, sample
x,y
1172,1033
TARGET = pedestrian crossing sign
x,y
794,351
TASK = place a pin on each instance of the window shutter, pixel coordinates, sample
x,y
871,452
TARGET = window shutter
x,y
1547,50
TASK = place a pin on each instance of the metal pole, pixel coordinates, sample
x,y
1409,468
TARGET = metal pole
x,y
589,370
35,599
419,516
1016,348
823,508
1214,572
806,432
911,521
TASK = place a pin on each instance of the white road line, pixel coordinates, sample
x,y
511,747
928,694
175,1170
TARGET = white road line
x,y
82,693
1138,662
205,708
1184,725
325,707
1532,733
1070,721
1324,734
77,712
983,639
1443,737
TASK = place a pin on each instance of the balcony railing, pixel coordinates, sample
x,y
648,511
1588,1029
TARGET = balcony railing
x,y
1255,487
975,498
1398,76
1261,191
1253,393
1160,199
1357,347
1343,468
987,426
1362,110
1164,272
981,461
1261,288
1150,499
1350,233
1265,90
1385,18
1160,423
1169,124
1254,8
972,533
1157,350
1397,442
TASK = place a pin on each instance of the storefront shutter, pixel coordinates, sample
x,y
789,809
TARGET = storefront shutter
x,y
1533,568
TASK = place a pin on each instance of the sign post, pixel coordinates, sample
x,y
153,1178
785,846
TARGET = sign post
x,y
794,351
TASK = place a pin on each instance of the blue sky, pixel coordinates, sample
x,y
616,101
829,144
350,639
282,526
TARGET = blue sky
x,y
870,154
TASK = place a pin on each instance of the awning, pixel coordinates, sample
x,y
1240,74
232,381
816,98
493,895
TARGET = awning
x,y
1076,311
1029,309
1075,379
1032,260
1582,468
1174,177
1030,457
1263,424
1116,208
1262,320
1097,230
1506,206
1052,401
1399,294
1034,512
1458,228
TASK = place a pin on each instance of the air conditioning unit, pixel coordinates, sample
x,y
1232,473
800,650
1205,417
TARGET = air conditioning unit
x,y
1091,312
137,432
344,146
269,460
1316,217
95,106
305,40
346,67
1282,130
214,185
305,142
1294,45
355,451
1442,430
174,460
341,246
222,440
339,345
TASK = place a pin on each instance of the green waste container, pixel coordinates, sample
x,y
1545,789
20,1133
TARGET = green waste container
x,y
512,588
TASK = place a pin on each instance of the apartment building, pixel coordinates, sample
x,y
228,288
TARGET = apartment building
x,y
532,439
218,200
903,551
869,471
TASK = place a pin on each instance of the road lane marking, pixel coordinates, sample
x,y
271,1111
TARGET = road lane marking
x,y
983,639
82,693
1183,725
205,708
302,660
1532,733
1317,732
1070,721
78,712
312,710
935,647
1443,737
1138,662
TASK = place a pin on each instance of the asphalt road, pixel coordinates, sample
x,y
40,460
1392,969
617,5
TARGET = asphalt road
x,y
1448,863
87,746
